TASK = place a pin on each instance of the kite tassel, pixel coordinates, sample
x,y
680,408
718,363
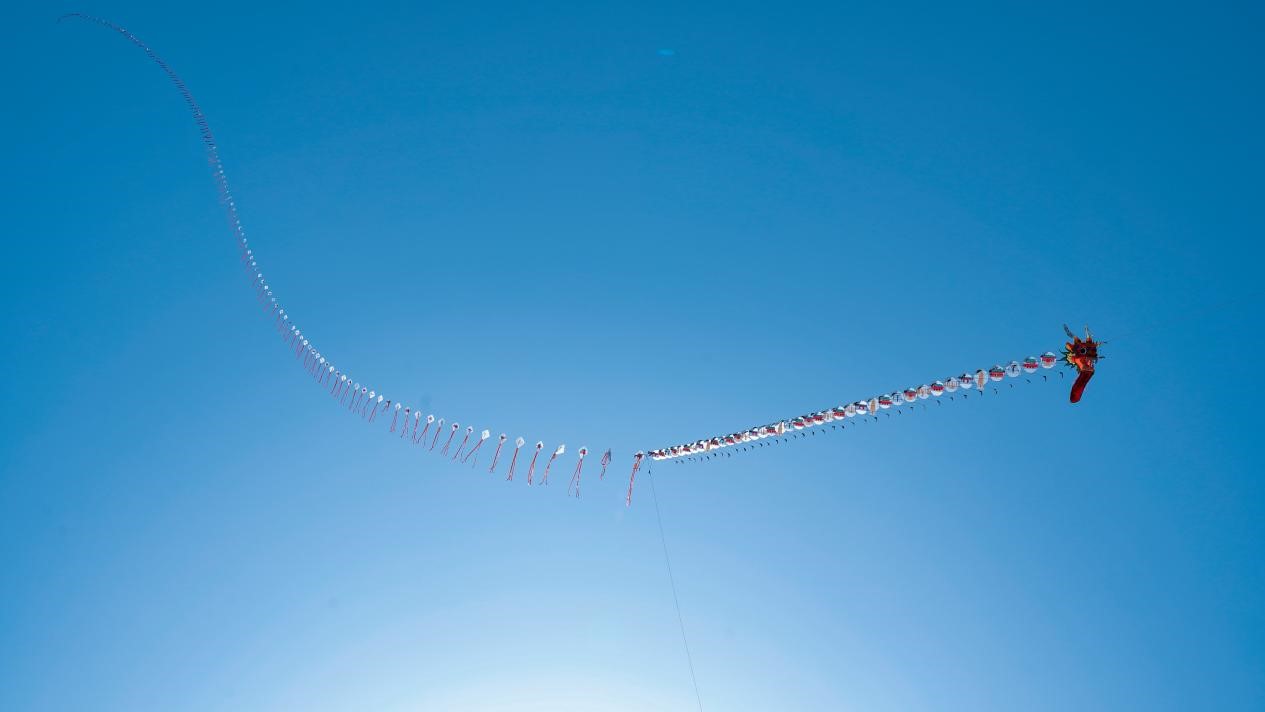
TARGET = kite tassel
x,y
421,436
496,455
472,451
451,434
463,444
575,477
548,464
514,459
532,467
633,477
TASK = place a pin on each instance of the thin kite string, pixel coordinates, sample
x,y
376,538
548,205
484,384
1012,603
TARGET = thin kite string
x,y
672,580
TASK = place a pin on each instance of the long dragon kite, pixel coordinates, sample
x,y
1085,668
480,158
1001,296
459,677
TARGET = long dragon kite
x,y
371,404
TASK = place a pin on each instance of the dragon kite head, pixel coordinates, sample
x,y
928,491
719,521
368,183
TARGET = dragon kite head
x,y
1081,354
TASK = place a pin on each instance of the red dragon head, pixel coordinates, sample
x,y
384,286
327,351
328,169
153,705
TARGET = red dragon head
x,y
1081,354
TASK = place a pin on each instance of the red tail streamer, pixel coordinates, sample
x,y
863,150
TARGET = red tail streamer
x,y
579,465
633,477
394,417
497,455
438,427
535,455
469,429
518,445
561,449
482,436
448,442
404,427
606,460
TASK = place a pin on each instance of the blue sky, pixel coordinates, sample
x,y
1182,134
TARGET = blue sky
x,y
537,220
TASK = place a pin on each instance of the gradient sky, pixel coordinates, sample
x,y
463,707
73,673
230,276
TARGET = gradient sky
x,y
624,226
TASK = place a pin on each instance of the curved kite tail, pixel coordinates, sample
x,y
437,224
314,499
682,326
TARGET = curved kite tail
x,y
1078,388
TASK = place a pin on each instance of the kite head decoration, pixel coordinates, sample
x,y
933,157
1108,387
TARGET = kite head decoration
x,y
1082,355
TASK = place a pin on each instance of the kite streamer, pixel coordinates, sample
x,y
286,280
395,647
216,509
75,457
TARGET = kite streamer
x,y
358,398
419,437
579,465
497,455
518,445
438,427
448,442
561,449
633,477
482,436
463,442
532,467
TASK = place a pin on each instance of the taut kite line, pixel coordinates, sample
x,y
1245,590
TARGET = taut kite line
x,y
373,406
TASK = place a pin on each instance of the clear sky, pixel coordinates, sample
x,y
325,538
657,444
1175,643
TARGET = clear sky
x,y
617,227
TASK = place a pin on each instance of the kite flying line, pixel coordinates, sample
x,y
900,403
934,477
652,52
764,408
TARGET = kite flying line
x,y
372,405
676,601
